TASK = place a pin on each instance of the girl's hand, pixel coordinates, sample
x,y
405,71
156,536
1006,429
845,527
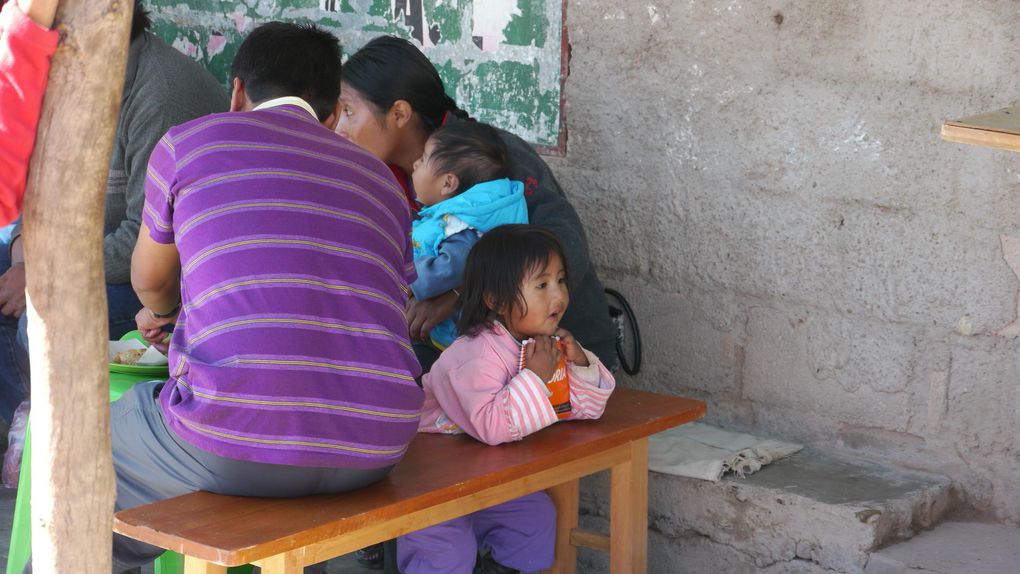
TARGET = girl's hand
x,y
574,352
542,356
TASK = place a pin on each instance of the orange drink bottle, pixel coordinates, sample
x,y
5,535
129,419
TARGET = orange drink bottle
x,y
558,385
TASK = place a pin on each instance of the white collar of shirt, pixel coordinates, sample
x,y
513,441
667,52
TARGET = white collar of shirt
x,y
287,101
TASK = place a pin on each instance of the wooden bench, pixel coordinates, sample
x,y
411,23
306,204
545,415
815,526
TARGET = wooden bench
x,y
440,478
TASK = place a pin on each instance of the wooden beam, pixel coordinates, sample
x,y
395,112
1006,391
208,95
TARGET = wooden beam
x,y
566,497
999,129
588,539
628,511
196,566
72,472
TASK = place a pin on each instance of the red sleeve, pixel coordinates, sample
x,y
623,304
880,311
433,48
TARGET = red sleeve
x,y
405,184
25,51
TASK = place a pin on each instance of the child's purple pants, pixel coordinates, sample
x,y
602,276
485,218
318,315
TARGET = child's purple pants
x,y
520,532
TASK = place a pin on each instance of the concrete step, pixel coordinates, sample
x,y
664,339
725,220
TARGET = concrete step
x,y
953,548
809,514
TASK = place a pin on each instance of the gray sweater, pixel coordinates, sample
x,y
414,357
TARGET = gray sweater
x,y
162,88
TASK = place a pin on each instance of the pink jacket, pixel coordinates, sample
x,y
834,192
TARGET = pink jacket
x,y
475,387
25,50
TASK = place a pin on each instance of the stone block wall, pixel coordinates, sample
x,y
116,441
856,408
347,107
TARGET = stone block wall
x,y
766,183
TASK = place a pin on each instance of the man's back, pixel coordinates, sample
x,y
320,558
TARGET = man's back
x,y
291,346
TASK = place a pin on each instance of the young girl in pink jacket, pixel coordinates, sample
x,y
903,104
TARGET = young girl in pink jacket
x,y
496,383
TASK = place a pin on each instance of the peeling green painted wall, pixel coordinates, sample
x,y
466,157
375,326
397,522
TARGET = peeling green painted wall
x,y
500,59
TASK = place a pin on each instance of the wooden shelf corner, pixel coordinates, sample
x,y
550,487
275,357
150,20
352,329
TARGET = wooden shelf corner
x,y
999,129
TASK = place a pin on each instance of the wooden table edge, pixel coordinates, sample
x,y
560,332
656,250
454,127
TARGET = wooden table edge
x,y
985,137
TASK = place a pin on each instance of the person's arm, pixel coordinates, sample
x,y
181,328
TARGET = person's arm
x,y
26,46
40,11
435,298
155,274
590,387
12,282
155,262
444,271
424,314
498,411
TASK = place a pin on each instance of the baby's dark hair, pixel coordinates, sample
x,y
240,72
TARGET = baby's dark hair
x,y
497,266
472,151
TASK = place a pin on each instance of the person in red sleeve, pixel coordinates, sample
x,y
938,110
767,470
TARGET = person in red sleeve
x,y
26,45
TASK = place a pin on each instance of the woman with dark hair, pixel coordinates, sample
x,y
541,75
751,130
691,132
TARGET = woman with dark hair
x,y
391,100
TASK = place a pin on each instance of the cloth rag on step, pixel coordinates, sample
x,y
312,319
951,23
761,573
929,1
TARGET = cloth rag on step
x,y
703,451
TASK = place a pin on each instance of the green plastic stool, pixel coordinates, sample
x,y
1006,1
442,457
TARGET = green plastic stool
x,y
21,529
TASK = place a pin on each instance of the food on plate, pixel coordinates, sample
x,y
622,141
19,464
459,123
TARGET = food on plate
x,y
129,357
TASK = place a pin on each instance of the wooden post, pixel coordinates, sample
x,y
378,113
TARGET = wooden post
x,y
72,472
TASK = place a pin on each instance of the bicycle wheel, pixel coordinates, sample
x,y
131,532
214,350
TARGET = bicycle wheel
x,y
628,335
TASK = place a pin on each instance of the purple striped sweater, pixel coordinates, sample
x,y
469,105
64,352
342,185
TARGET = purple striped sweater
x,y
292,344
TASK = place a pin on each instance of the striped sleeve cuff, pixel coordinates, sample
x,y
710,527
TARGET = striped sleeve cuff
x,y
530,409
590,388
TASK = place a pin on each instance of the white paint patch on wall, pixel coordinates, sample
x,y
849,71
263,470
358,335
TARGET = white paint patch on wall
x,y
653,14
859,141
187,47
729,94
732,6
490,19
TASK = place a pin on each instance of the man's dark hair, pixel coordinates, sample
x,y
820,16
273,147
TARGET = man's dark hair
x,y
497,267
472,151
280,59
140,21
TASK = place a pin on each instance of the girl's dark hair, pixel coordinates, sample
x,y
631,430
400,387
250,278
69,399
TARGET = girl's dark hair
x,y
497,266
472,151
281,59
388,69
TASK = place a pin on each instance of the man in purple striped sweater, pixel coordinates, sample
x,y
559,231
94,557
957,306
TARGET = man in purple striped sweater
x,y
282,253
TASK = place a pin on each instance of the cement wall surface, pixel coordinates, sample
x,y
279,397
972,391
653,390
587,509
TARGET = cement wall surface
x,y
766,183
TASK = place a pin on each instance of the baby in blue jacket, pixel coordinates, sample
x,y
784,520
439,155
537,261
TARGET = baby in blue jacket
x,y
461,181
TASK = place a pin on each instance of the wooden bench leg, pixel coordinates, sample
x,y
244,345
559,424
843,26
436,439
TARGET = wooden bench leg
x,y
193,565
566,497
628,515
286,563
